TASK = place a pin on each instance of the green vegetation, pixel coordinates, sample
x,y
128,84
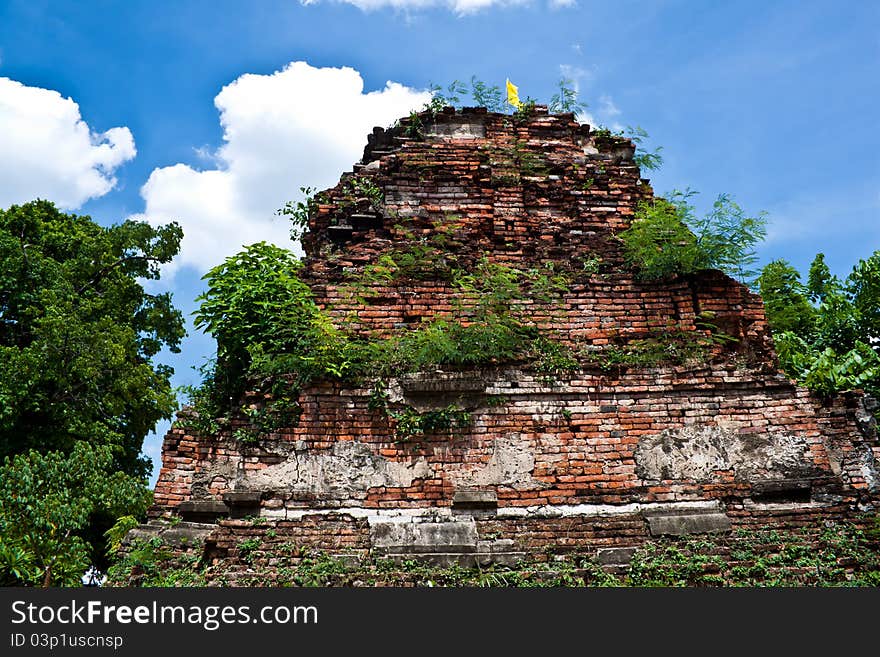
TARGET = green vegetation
x,y
247,547
414,126
671,346
78,334
647,160
272,339
826,331
298,212
410,423
494,99
485,96
256,307
482,94
450,96
414,257
152,563
566,98
786,299
364,187
270,334
49,506
563,100
667,238
841,555
525,110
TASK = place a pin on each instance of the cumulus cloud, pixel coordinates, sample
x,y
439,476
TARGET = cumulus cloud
x,y
301,126
48,151
460,7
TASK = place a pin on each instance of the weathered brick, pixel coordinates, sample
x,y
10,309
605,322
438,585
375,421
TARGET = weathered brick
x,y
694,432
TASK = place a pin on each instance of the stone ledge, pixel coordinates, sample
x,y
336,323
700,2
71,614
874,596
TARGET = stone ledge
x,y
683,524
203,510
242,498
180,535
424,537
616,556
243,503
782,490
427,383
475,499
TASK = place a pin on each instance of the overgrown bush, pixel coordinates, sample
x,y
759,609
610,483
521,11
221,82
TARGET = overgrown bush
x,y
256,305
666,238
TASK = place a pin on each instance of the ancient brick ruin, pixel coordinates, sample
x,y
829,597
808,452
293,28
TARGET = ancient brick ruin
x,y
598,458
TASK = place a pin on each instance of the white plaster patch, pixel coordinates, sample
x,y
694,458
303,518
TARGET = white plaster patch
x,y
441,514
350,467
511,464
697,452
458,129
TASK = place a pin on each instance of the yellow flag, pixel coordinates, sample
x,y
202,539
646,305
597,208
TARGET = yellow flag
x,y
513,95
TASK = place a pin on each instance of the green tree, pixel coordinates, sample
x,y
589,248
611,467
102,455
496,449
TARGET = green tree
x,y
658,242
78,333
863,287
449,97
48,505
832,343
786,299
821,282
848,311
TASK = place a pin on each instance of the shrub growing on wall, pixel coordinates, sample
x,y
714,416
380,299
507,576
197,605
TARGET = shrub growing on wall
x,y
667,238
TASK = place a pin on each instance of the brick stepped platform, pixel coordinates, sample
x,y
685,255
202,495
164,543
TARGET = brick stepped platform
x,y
782,544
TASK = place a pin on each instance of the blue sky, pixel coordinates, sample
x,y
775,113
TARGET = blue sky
x,y
215,113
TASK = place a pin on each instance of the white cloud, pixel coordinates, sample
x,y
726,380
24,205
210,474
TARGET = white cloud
x,y
609,112
460,7
607,106
301,126
48,151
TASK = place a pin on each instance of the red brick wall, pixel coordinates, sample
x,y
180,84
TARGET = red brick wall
x,y
525,194
585,455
